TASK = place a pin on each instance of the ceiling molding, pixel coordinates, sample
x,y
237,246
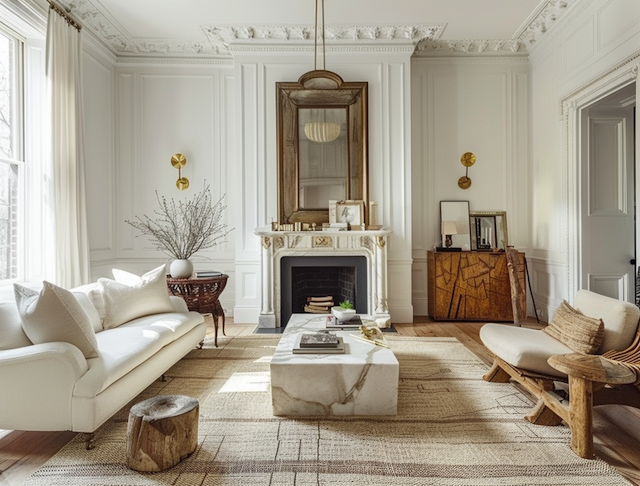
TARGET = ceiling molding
x,y
217,38
541,20
469,46
224,36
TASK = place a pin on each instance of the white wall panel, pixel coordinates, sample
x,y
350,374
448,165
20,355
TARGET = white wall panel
x,y
580,45
467,105
99,156
618,20
585,55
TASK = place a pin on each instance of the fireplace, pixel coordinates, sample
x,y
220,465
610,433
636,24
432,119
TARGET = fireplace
x,y
342,277
283,251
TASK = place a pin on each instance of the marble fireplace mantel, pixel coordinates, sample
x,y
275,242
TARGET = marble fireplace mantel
x,y
371,244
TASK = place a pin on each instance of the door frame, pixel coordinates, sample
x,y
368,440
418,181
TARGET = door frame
x,y
571,111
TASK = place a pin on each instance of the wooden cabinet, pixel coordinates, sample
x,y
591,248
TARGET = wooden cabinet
x,y
471,286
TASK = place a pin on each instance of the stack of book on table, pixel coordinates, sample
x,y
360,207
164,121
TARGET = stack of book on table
x,y
319,305
318,343
354,323
207,273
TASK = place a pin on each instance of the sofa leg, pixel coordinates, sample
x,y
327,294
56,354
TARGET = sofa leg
x,y
163,378
543,415
496,374
89,439
201,344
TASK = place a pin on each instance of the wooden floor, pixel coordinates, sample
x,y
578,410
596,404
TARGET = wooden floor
x,y
616,427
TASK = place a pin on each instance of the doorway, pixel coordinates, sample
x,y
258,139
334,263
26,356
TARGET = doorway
x,y
608,195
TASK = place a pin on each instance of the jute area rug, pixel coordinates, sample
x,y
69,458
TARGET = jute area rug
x,y
452,428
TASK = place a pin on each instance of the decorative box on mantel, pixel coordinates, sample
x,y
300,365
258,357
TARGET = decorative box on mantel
x,y
333,243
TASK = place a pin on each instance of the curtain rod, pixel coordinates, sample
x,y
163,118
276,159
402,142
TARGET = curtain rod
x,y
64,14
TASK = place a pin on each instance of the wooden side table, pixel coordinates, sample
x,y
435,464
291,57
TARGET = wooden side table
x,y
584,370
202,295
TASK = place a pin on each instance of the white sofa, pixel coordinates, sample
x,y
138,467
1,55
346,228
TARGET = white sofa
x,y
51,386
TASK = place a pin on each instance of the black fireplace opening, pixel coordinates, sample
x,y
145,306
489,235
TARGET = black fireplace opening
x,y
341,277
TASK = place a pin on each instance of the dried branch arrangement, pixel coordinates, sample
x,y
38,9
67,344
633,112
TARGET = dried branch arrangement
x,y
181,229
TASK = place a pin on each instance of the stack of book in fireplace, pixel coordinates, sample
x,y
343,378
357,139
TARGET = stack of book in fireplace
x,y
319,305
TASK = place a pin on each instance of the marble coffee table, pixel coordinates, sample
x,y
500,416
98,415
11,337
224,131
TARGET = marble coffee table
x,y
362,381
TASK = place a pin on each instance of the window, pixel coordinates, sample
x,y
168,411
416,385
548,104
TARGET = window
x,y
25,232
11,153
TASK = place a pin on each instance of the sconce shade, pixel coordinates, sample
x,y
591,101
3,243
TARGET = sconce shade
x,y
449,228
322,132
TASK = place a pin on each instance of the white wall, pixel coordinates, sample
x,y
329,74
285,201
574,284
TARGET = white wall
x,y
460,105
512,113
386,68
593,48
221,116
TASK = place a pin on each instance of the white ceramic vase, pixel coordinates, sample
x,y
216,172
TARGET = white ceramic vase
x,y
181,269
343,314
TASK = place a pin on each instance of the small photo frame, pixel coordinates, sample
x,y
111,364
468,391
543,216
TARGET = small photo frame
x,y
350,211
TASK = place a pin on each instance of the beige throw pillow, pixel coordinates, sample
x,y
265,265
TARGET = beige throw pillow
x,y
54,314
581,333
130,296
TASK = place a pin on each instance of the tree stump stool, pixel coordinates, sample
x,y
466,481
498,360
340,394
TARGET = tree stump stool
x,y
161,431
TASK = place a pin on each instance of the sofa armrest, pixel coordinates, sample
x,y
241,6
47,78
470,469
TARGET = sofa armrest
x,y
37,385
179,304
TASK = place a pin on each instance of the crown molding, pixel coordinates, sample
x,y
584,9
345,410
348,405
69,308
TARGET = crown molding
x,y
468,46
226,36
217,39
541,20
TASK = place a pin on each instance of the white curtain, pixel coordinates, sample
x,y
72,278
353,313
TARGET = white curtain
x,y
64,72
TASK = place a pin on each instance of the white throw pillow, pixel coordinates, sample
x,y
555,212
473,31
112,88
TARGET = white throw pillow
x,y
54,314
130,296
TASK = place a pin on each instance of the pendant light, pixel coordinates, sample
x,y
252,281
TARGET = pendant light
x,y
319,129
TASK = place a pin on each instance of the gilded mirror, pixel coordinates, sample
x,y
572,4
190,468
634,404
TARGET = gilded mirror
x,y
322,146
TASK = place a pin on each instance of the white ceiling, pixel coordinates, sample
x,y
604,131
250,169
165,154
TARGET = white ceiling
x,y
133,25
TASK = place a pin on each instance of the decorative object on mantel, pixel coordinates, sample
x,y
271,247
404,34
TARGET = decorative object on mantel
x,y
467,159
178,161
373,216
182,229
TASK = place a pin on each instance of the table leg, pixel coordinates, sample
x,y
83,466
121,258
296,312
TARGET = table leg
x,y
215,329
581,411
220,312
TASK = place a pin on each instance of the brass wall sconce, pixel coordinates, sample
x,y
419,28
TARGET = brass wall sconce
x,y
178,161
467,159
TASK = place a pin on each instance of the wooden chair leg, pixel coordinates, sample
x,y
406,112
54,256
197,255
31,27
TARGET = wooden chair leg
x,y
496,374
581,410
543,415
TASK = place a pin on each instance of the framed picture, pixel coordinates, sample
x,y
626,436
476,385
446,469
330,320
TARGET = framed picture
x,y
454,224
351,212
489,230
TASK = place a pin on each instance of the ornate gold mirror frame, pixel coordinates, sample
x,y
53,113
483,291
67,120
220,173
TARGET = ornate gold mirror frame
x,y
322,146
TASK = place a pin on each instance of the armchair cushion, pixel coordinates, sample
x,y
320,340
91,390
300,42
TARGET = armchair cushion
x,y
54,314
620,318
581,333
524,348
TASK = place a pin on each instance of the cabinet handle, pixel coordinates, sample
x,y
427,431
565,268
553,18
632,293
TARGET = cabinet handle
x,y
632,261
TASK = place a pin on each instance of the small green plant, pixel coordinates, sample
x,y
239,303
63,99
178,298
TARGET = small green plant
x,y
346,304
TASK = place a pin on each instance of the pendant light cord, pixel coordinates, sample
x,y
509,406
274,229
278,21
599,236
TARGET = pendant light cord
x,y
315,44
